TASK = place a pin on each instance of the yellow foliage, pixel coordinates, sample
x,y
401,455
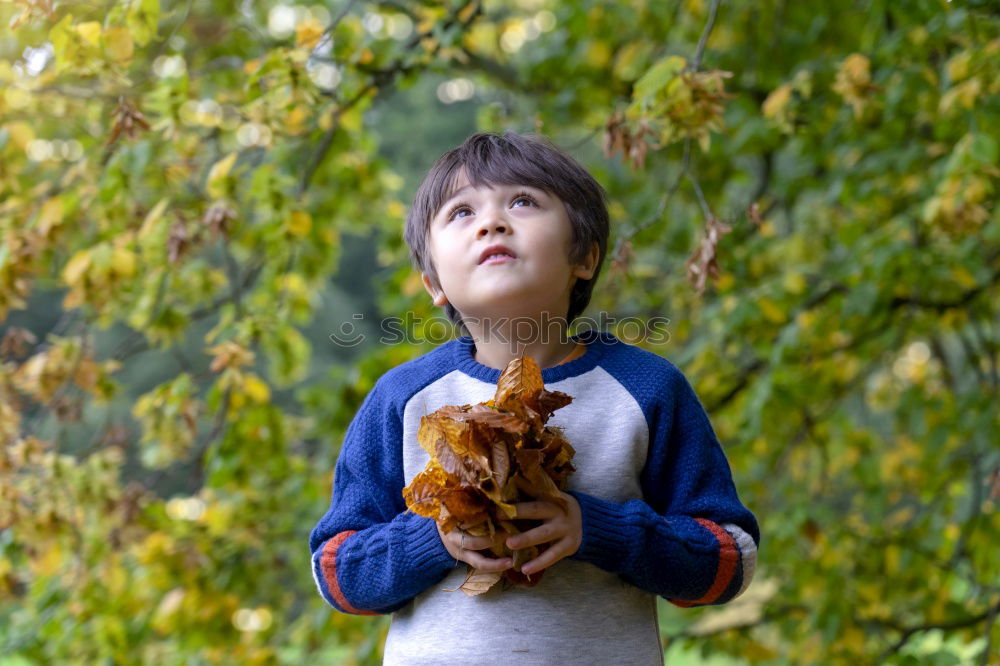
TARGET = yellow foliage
x,y
153,218
218,173
254,387
772,311
794,282
229,354
123,262
299,223
48,563
51,215
777,100
21,134
89,31
598,54
75,267
308,33
962,276
118,42
958,65
853,81
964,94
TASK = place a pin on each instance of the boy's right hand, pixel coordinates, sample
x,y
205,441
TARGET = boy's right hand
x,y
463,547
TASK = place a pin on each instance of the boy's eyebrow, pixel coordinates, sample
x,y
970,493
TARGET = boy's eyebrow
x,y
459,191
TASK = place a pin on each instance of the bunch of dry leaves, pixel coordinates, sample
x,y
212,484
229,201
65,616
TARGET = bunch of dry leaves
x,y
489,456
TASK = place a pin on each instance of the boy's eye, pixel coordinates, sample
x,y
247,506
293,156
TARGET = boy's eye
x,y
524,196
520,196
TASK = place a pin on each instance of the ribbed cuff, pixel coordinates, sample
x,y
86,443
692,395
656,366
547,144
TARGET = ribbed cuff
x,y
424,546
605,541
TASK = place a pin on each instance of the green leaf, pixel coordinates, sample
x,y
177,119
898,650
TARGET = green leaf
x,y
658,76
984,149
142,20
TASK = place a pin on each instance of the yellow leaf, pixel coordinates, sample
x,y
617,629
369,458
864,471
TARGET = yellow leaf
x,y
771,311
21,134
49,563
854,639
218,173
963,277
153,217
599,54
299,223
123,262
254,387
958,66
118,41
892,559
90,31
396,209
51,215
777,100
75,267
794,283
295,118
73,298
308,33
857,67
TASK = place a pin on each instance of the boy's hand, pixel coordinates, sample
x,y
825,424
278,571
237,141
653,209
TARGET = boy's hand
x,y
463,547
563,531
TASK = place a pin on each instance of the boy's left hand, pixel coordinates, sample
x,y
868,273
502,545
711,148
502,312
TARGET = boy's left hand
x,y
563,531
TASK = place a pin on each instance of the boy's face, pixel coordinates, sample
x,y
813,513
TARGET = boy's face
x,y
530,222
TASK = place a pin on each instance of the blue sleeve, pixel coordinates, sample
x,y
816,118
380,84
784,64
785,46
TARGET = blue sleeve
x,y
370,555
691,541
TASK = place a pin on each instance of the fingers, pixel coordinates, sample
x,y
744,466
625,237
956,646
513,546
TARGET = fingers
x,y
469,542
484,563
544,533
552,554
539,509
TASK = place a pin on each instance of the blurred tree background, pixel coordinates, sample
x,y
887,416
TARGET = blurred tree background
x,y
195,195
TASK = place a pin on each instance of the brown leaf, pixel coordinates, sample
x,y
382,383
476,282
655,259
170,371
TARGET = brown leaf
x,y
218,219
484,458
702,263
478,581
522,378
546,402
423,495
127,120
177,241
466,505
16,341
533,481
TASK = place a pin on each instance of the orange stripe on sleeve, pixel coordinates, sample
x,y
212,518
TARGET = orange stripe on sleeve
x,y
328,564
729,559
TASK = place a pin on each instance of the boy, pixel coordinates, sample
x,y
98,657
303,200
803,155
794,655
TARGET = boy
x,y
509,234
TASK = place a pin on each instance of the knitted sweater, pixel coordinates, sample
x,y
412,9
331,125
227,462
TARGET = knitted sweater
x,y
659,510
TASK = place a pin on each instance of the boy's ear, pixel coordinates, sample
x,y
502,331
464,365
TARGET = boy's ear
x,y
586,270
437,294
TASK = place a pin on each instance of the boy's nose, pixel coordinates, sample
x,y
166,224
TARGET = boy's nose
x,y
492,222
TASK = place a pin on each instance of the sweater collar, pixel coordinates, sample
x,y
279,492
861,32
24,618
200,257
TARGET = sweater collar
x,y
598,343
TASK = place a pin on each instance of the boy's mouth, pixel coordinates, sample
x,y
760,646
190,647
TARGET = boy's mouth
x,y
497,254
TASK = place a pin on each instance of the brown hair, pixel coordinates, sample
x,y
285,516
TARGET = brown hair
x,y
490,158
